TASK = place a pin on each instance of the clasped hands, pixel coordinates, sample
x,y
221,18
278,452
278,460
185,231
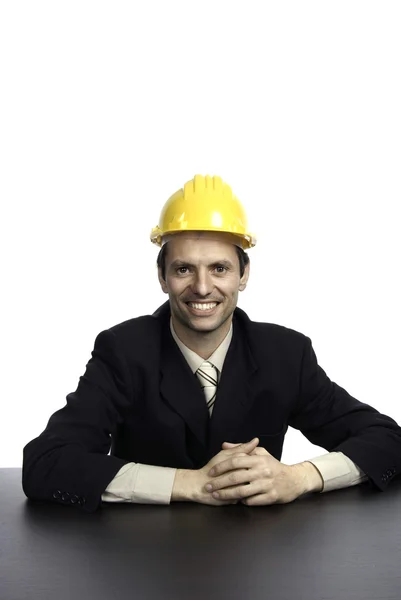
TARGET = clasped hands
x,y
248,474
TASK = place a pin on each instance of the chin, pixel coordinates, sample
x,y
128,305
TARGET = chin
x,y
205,326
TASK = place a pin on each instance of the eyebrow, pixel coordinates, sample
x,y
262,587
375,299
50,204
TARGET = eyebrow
x,y
184,263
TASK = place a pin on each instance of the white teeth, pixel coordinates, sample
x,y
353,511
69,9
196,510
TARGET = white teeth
x,y
203,306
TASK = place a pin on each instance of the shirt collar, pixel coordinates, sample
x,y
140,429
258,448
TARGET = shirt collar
x,y
194,360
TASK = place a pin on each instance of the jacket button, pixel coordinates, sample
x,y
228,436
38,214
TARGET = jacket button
x,y
65,497
389,472
74,499
81,501
384,477
57,494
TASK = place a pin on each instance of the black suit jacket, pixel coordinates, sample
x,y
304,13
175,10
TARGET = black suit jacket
x,y
139,400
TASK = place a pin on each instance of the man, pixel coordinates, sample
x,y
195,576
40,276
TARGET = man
x,y
194,401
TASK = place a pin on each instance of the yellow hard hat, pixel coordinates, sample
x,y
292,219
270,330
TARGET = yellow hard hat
x,y
204,204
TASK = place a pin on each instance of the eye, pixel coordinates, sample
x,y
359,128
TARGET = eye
x,y
221,269
182,270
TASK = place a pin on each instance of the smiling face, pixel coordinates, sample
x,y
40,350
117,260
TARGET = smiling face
x,y
202,281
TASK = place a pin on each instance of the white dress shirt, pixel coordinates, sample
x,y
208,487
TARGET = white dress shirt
x,y
149,484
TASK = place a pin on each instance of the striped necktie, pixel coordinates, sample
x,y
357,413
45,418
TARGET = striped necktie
x,y
208,377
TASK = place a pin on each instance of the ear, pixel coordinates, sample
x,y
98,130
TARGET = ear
x,y
244,278
162,282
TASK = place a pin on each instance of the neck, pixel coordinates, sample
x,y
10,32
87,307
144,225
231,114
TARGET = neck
x,y
204,343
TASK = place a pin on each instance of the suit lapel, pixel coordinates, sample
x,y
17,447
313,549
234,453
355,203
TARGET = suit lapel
x,y
234,393
180,388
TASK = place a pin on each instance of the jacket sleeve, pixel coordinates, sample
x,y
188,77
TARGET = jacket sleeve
x,y
69,462
330,417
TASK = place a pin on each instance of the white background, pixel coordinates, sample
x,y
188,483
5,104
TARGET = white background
x,y
108,107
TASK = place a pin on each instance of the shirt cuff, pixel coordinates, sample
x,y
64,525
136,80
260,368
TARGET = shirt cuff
x,y
141,484
337,471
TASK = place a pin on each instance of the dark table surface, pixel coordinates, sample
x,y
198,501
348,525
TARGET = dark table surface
x,y
340,545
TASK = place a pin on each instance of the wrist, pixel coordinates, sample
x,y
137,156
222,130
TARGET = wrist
x,y
182,486
313,478
310,479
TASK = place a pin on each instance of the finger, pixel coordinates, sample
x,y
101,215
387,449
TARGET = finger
x,y
258,500
240,492
246,446
231,479
236,461
260,452
231,445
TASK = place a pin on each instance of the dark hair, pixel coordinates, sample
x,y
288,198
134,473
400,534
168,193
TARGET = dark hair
x,y
161,260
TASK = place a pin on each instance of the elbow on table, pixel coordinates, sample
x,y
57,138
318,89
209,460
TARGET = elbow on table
x,y
37,464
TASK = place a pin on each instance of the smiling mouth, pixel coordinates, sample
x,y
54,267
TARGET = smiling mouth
x,y
203,306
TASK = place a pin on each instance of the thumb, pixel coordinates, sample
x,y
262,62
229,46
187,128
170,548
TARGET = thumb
x,y
229,445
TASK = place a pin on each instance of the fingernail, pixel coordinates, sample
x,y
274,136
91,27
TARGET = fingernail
x,y
209,487
212,472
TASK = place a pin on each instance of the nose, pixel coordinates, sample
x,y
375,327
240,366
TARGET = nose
x,y
202,283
